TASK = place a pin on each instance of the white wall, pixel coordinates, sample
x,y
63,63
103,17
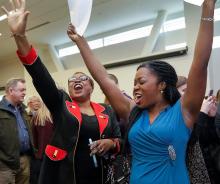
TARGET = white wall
x,y
10,69
214,70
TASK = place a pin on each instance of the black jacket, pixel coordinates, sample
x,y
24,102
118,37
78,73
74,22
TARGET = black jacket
x,y
58,164
205,133
9,138
210,145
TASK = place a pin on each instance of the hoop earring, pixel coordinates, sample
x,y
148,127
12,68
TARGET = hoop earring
x,y
161,91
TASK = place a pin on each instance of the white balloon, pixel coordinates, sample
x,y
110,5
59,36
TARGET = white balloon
x,y
80,12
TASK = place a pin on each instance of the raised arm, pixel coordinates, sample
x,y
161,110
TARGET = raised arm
x,y
17,21
119,102
196,85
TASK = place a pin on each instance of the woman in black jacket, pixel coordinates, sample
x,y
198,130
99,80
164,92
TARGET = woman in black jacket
x,y
70,158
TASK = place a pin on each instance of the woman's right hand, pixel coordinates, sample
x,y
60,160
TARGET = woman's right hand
x,y
17,16
101,146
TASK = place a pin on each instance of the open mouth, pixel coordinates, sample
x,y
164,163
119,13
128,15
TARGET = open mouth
x,y
78,86
137,98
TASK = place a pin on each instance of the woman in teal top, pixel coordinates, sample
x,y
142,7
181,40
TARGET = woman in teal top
x,y
158,149
158,138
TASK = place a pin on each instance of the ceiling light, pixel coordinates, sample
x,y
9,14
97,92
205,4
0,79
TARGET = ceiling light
x,y
68,51
3,17
0,34
195,2
216,42
217,14
175,46
128,35
174,24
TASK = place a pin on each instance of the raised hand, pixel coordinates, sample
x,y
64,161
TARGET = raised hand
x,y
17,16
213,108
209,106
71,32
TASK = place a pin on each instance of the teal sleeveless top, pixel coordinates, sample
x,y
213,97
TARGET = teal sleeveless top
x,y
159,149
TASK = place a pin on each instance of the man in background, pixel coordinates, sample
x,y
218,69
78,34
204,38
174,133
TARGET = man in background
x,y
15,135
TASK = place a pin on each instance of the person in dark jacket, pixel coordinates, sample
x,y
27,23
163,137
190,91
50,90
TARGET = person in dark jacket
x,y
15,135
208,138
203,143
86,134
217,119
121,165
194,157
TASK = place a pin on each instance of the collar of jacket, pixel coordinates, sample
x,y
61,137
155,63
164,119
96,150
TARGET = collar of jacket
x,y
98,109
4,106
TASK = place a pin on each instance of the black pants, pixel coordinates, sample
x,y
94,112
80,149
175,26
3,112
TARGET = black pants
x,y
35,170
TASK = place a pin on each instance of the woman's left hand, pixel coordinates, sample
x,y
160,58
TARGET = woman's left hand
x,y
102,146
71,32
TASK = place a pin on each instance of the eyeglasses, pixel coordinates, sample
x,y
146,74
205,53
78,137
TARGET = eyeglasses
x,y
80,78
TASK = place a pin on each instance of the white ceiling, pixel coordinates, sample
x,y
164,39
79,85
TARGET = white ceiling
x,y
106,15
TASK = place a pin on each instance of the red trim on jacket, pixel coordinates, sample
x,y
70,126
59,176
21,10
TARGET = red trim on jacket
x,y
102,118
55,153
74,109
30,58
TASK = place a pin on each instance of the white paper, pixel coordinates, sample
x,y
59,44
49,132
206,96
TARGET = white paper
x,y
80,12
195,2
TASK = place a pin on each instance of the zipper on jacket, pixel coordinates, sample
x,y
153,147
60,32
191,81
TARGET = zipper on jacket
x,y
102,165
74,174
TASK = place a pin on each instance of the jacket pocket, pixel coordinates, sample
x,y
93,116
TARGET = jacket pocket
x,y
54,153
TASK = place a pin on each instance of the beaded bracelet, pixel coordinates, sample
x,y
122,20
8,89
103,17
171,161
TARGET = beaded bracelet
x,y
210,19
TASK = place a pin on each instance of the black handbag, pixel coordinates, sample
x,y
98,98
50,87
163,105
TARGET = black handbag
x,y
118,171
